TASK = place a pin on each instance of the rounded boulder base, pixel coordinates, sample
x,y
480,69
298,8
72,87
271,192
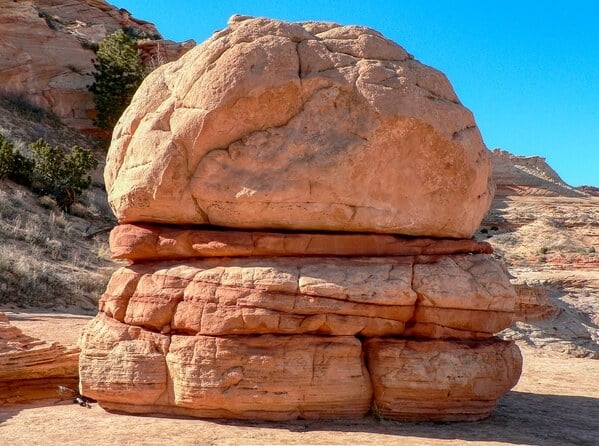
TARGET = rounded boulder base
x,y
272,378
422,380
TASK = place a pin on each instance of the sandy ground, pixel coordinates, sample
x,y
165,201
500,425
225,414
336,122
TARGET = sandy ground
x,y
556,402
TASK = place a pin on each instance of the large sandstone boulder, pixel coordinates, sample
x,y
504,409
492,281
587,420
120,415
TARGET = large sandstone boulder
x,y
316,153
309,126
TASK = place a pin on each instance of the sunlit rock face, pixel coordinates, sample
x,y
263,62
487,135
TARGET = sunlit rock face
x,y
320,188
309,126
47,56
30,368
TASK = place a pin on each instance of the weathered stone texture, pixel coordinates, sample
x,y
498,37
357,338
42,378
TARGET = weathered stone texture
x,y
300,126
30,368
147,242
464,296
440,380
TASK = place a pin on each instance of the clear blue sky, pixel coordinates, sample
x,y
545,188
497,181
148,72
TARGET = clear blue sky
x,y
529,70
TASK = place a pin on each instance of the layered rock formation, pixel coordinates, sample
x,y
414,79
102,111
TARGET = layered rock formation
x,y
46,55
548,234
30,368
299,130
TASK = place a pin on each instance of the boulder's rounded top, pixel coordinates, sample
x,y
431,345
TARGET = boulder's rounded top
x,y
301,126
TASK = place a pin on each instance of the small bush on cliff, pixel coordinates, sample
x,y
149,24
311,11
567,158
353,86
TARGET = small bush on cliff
x,y
51,171
59,173
13,165
119,71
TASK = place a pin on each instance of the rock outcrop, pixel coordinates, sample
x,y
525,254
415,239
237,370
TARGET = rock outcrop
x,y
32,369
528,175
548,234
46,52
300,138
323,110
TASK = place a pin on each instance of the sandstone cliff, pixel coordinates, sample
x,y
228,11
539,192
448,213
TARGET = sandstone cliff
x,y
46,56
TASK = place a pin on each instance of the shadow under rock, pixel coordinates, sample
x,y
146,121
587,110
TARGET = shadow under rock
x,y
520,418
8,411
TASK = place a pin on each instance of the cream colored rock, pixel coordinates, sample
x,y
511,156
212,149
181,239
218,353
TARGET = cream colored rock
x,y
30,368
257,377
440,380
464,296
311,126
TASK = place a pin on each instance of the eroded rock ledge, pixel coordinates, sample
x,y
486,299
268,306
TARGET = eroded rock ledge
x,y
290,336
150,242
32,369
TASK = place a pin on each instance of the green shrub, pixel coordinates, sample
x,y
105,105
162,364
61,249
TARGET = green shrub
x,y
52,171
13,165
59,173
7,154
119,72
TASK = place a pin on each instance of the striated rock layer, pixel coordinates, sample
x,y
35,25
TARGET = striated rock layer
x,y
266,377
464,296
146,242
32,369
440,380
278,337
304,126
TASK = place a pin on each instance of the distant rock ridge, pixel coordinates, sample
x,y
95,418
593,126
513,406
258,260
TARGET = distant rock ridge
x,y
46,56
528,175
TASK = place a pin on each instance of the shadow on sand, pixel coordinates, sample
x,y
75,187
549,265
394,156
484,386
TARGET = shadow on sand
x,y
520,418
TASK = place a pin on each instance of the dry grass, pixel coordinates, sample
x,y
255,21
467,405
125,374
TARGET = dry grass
x,y
45,258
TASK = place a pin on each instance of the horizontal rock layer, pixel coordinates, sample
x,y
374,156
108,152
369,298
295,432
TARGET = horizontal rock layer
x,y
440,380
30,368
151,242
533,303
463,296
301,126
259,377
281,377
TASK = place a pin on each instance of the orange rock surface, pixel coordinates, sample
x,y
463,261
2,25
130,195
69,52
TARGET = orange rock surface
x,y
440,380
32,369
304,126
46,55
147,242
337,181
266,377
464,296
